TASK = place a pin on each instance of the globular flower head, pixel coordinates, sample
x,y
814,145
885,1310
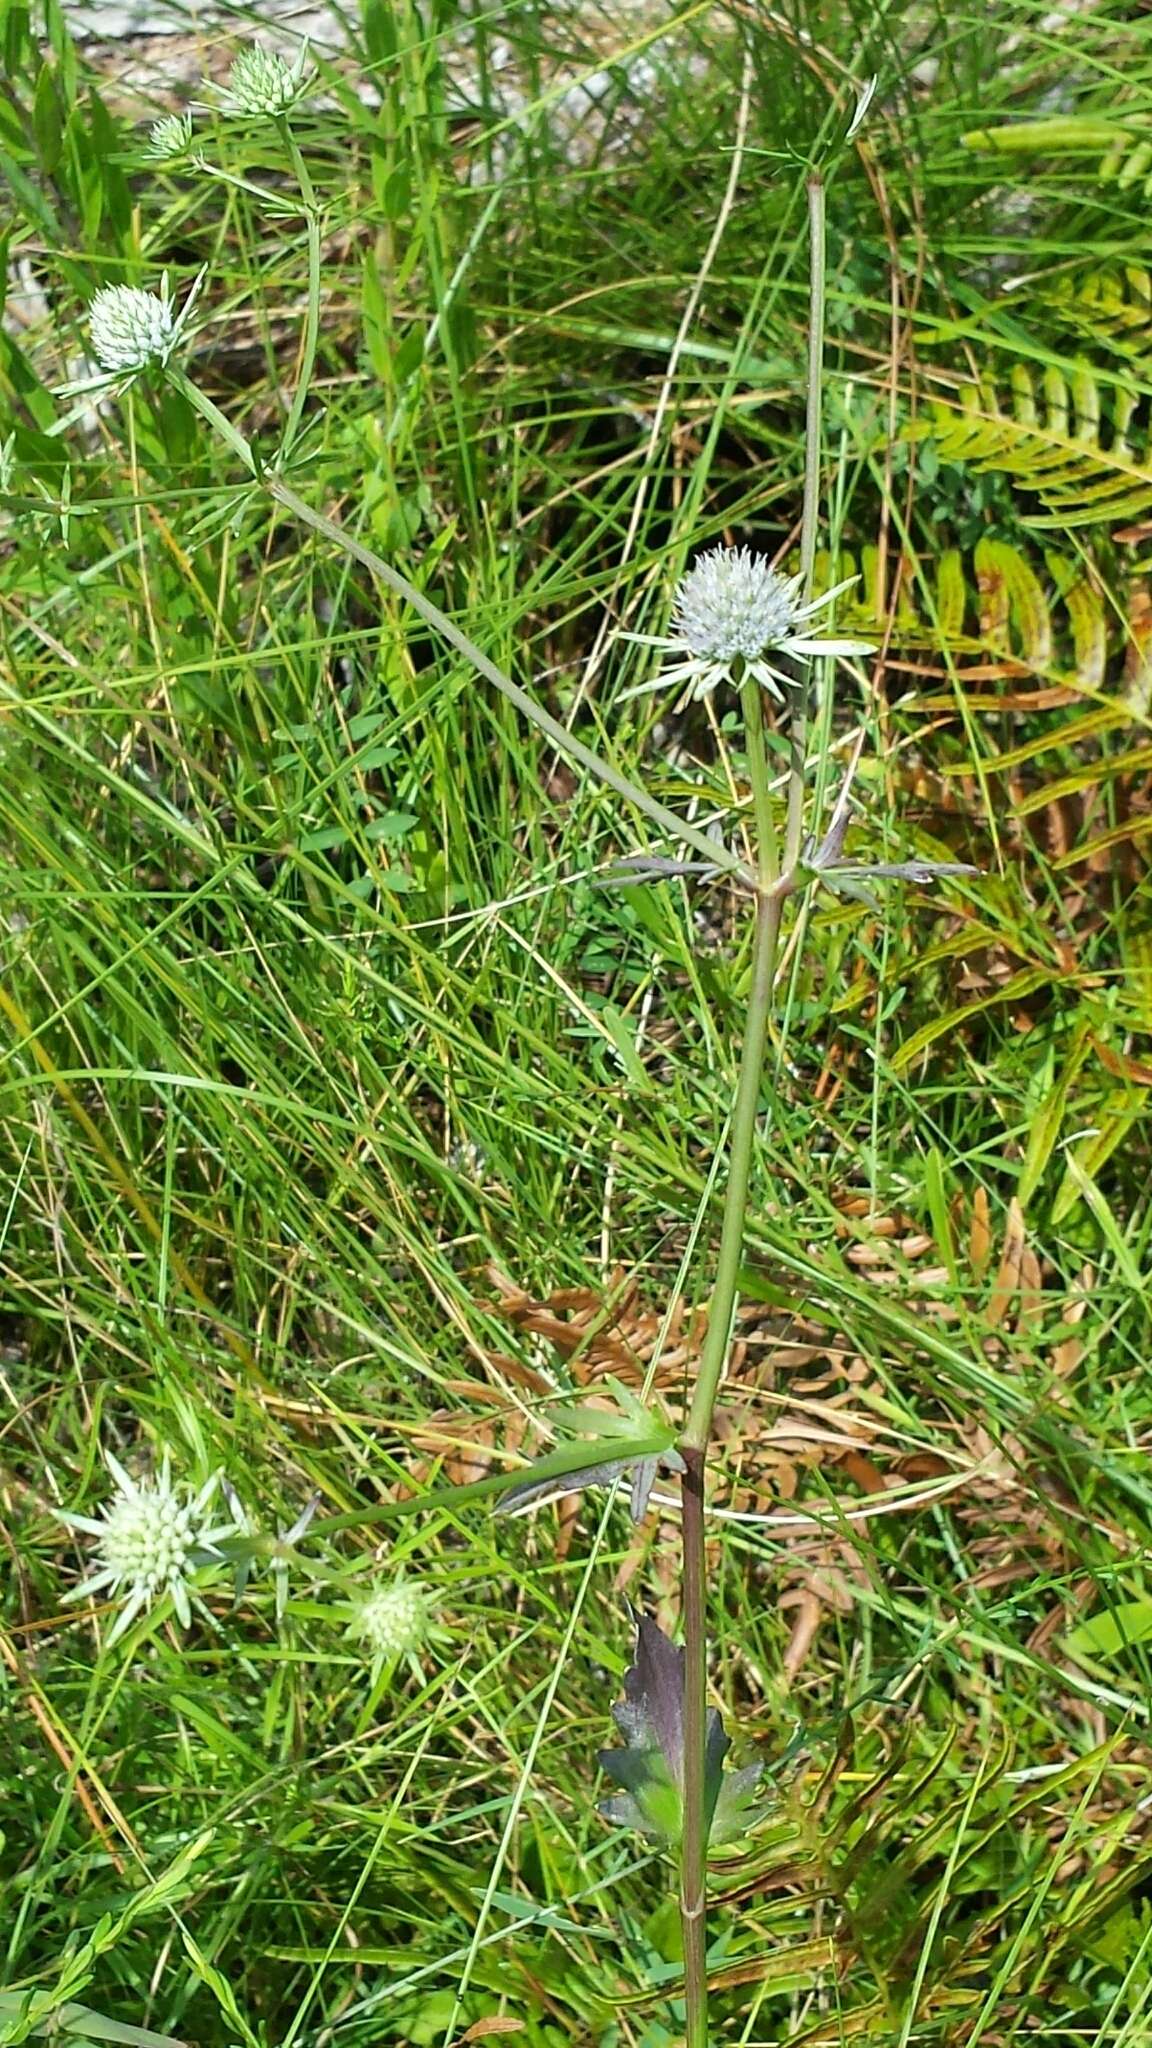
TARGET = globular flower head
x,y
392,1620
152,1538
733,611
131,329
169,137
262,86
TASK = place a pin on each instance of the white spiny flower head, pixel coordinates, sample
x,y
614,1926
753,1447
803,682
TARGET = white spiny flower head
x,y
152,1538
170,136
731,612
262,86
131,329
392,1620
730,603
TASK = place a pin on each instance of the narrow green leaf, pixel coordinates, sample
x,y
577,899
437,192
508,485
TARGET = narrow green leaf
x,y
1105,1635
1113,1123
1046,1122
1021,984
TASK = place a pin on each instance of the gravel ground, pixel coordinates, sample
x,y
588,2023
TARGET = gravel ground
x,y
158,54
112,21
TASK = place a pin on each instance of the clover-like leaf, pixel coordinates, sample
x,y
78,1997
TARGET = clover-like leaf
x,y
650,1769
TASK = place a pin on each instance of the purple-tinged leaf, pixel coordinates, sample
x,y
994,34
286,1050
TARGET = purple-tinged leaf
x,y
650,1770
825,860
909,870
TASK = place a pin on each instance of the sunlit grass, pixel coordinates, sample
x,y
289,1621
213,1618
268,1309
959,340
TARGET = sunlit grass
x,y
319,1017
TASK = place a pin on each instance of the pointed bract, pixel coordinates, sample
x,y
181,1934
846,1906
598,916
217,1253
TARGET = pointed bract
x,y
635,1443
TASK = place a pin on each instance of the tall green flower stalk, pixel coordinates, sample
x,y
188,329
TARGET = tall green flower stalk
x,y
773,884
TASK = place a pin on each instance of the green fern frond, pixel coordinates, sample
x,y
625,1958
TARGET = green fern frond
x,y
1107,306
1055,434
1044,618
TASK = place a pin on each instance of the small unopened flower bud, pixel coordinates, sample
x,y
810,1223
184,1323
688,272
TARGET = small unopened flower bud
x,y
262,86
393,1620
169,137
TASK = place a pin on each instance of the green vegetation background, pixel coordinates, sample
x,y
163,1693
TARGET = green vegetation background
x,y
317,1021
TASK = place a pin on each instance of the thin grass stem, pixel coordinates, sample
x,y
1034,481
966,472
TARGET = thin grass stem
x,y
312,310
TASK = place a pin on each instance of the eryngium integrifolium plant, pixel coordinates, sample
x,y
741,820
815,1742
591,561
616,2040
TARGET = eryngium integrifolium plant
x,y
731,614
169,138
152,1539
737,621
392,1620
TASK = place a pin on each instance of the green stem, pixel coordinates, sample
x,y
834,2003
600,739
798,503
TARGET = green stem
x,y
813,432
760,777
218,422
312,313
810,517
694,1851
711,850
715,1353
716,855
694,1450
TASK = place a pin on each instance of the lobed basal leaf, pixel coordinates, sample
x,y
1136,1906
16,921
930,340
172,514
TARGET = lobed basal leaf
x,y
650,1768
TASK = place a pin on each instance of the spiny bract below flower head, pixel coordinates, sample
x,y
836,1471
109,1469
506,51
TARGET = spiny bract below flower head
x,y
151,1539
169,137
393,1620
731,611
263,86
